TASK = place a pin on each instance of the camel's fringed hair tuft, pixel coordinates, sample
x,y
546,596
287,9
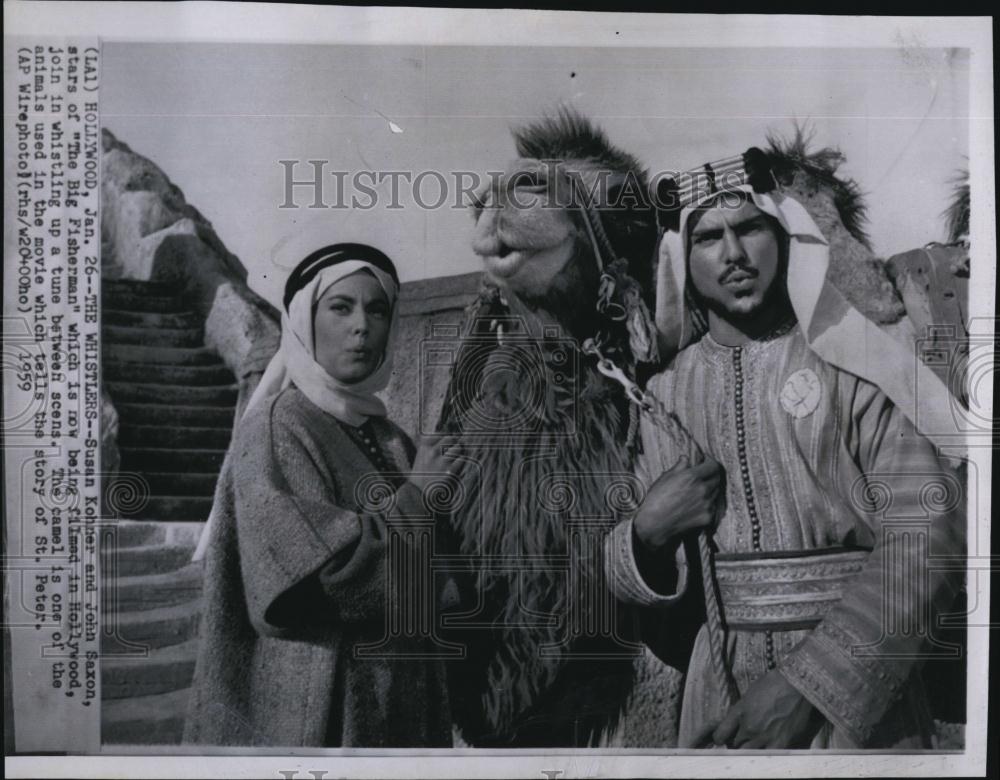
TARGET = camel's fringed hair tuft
x,y
821,167
957,213
836,204
571,136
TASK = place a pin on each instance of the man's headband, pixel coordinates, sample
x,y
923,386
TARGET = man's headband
x,y
333,254
674,194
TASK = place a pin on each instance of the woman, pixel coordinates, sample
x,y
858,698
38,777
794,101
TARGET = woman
x,y
296,564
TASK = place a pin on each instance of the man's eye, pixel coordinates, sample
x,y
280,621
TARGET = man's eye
x,y
704,238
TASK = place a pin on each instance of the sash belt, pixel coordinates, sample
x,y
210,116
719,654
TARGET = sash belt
x,y
783,591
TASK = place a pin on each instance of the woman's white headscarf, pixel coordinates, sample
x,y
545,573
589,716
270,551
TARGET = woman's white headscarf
x,y
295,361
836,331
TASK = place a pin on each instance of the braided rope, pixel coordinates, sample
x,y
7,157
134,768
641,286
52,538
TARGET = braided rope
x,y
604,253
685,444
716,625
633,426
602,237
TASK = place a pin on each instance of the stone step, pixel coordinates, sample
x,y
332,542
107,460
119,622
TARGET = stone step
x,y
152,628
159,414
138,287
151,392
174,508
132,533
182,484
124,300
145,559
144,459
151,591
165,374
174,437
144,319
162,337
161,671
179,356
145,720
129,533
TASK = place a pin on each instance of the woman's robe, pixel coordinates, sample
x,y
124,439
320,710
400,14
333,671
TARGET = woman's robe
x,y
297,593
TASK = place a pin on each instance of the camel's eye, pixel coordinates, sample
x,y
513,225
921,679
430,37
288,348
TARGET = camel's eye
x,y
532,181
480,200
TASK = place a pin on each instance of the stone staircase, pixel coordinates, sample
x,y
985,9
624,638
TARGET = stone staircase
x,y
175,401
174,397
152,603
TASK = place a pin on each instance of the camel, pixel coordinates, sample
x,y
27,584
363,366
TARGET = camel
x,y
559,338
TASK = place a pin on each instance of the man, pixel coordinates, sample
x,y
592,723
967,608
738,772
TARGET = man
x,y
825,599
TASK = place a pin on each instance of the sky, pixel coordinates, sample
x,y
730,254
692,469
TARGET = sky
x,y
217,118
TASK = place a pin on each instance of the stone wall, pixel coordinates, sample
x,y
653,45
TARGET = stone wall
x,y
431,315
149,232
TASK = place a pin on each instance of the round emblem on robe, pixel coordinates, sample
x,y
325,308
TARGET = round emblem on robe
x,y
801,394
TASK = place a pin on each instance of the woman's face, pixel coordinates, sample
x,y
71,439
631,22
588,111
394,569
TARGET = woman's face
x,y
351,327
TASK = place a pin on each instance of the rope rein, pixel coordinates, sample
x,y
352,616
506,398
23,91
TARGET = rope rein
x,y
680,439
690,451
729,693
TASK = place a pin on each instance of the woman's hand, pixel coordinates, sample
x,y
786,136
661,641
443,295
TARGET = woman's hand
x,y
683,499
436,457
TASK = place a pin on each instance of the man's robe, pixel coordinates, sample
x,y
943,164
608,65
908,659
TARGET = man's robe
x,y
816,461
297,589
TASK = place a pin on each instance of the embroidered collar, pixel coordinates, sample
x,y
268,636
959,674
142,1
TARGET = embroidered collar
x,y
712,347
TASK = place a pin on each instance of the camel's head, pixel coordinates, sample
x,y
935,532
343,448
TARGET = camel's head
x,y
524,237
530,229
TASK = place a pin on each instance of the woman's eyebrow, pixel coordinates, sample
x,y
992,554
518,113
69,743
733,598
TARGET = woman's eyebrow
x,y
338,297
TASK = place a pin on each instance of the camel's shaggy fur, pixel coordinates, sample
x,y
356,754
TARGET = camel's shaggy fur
x,y
557,445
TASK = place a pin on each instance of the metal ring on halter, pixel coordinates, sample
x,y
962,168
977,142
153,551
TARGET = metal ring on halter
x,y
636,396
613,311
608,368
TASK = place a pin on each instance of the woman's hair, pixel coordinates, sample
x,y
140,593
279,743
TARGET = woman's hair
x,y
333,254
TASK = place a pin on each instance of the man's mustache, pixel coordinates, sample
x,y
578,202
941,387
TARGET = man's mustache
x,y
738,269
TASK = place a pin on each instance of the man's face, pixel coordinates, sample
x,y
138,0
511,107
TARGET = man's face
x,y
734,259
